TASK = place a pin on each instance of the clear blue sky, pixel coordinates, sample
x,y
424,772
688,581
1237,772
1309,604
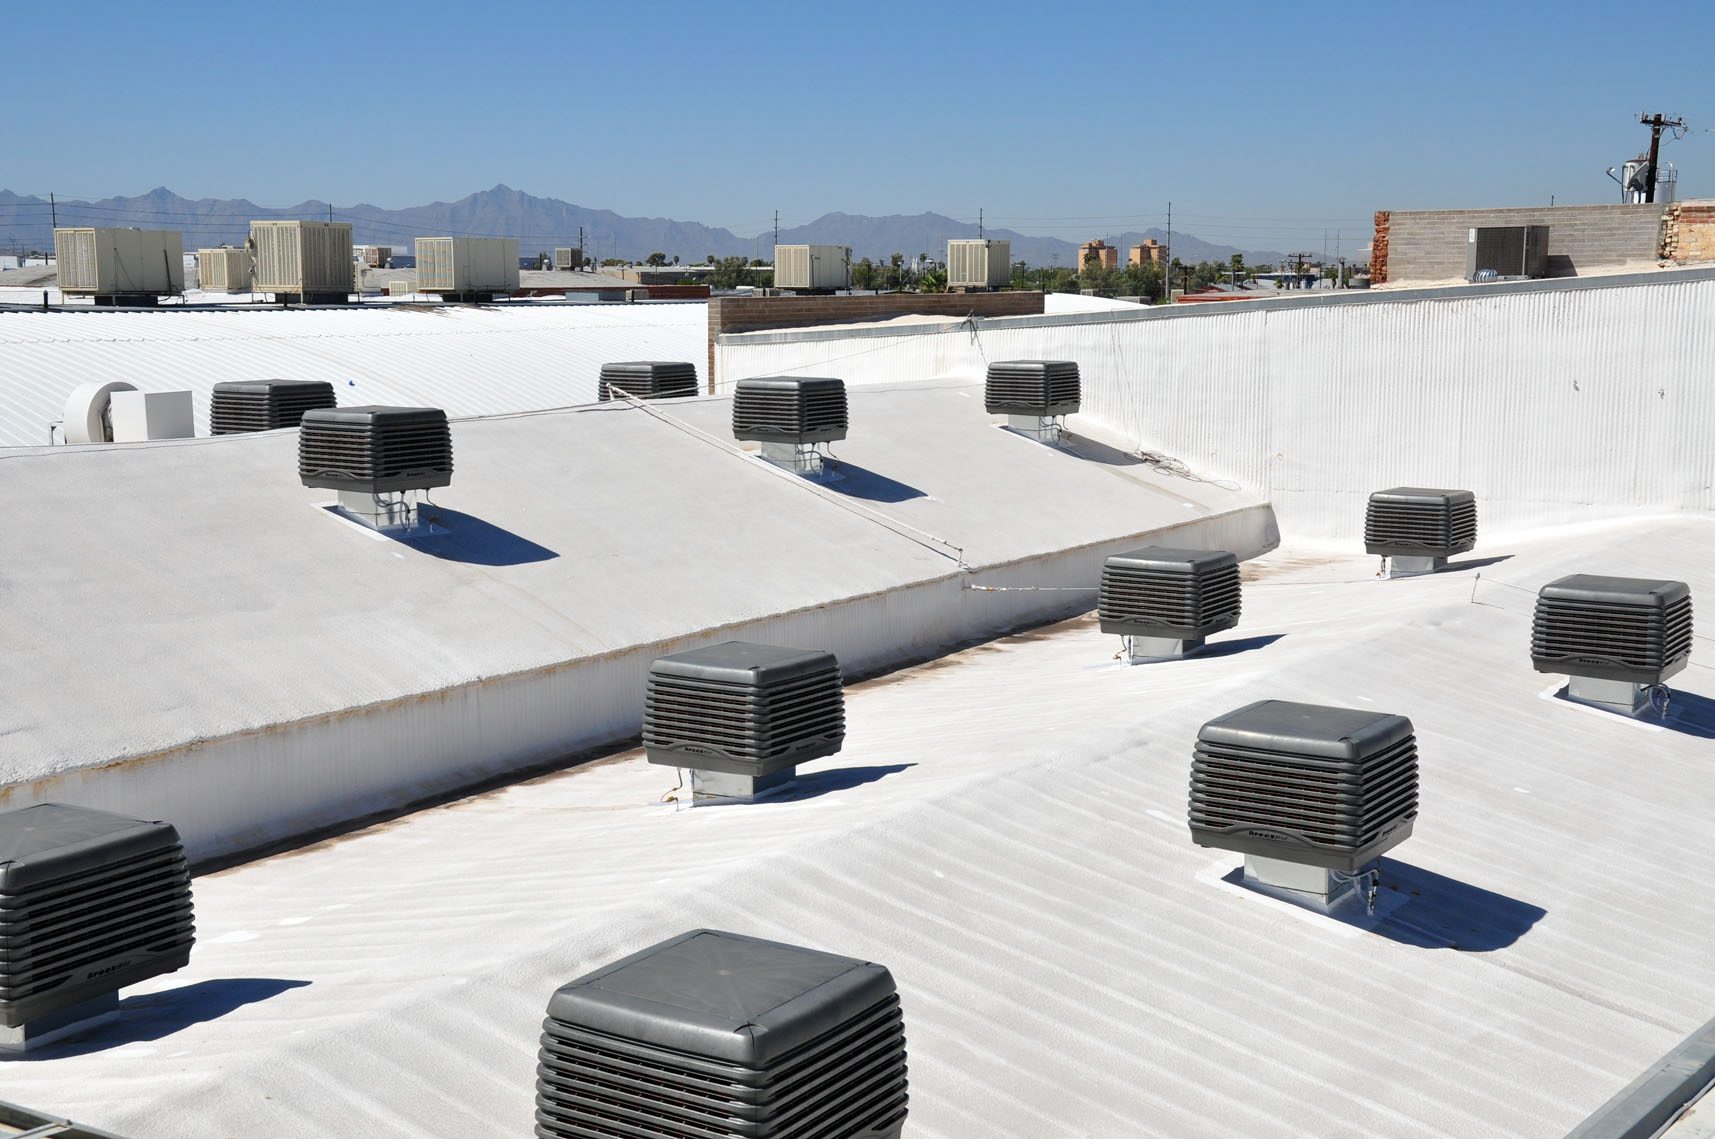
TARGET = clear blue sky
x,y
1263,123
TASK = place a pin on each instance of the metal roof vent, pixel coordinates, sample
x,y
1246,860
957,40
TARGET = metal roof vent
x,y
1310,795
89,902
790,416
717,1035
1615,638
265,405
1034,395
378,458
1164,601
1418,529
649,379
742,716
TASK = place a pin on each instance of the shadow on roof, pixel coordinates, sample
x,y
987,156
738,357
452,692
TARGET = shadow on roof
x,y
1438,912
856,482
153,1016
817,783
1473,563
1242,645
1690,714
1086,448
471,540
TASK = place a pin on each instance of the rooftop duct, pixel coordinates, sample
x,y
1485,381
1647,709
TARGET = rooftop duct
x,y
89,412
241,406
1164,601
716,1035
377,458
790,416
1310,795
1613,637
89,902
649,379
1419,529
1034,395
742,716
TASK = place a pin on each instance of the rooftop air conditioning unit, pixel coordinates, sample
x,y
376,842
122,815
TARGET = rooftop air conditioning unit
x,y
1418,529
1165,602
979,264
1614,638
307,261
1310,795
402,288
719,1036
813,268
224,270
89,903
649,379
568,258
790,416
1034,395
467,268
1509,250
378,458
241,406
119,266
742,716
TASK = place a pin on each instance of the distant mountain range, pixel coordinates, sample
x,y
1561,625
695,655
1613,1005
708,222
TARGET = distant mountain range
x,y
542,223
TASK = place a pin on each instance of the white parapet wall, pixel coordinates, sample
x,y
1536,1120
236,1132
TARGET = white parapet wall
x,y
1553,401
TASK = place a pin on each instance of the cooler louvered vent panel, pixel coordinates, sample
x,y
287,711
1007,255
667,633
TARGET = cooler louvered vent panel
x,y
265,405
790,409
649,379
1612,628
710,1035
1414,522
743,708
1330,787
89,902
1032,387
1163,592
375,449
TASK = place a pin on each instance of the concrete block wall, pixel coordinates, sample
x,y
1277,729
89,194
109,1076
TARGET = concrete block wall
x,y
1429,245
747,314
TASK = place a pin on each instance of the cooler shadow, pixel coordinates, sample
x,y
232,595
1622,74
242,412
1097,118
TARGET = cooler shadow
x,y
1474,563
459,537
809,786
153,1016
1437,912
1242,645
856,482
1099,452
1689,714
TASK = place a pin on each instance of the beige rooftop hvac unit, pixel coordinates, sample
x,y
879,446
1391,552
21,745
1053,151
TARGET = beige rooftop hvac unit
x,y
568,257
224,270
467,268
303,261
813,268
131,266
979,264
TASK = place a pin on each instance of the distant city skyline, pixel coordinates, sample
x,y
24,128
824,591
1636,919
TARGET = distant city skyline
x,y
1265,125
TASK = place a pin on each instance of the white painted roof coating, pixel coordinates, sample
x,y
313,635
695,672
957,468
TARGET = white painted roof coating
x,y
467,360
1005,830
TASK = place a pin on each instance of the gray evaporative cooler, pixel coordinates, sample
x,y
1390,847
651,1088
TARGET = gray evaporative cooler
x,y
1614,638
1165,601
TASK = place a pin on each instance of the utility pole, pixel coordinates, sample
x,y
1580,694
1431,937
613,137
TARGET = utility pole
x,y
776,227
580,264
1656,124
1167,258
53,209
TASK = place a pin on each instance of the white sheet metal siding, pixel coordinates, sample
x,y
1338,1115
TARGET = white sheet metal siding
x,y
1553,403
467,361
114,262
467,264
302,256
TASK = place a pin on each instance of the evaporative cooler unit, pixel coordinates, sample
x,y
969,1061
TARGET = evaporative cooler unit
x,y
1614,638
241,406
1310,795
1034,395
1417,530
89,902
378,458
714,1035
1164,601
742,716
790,416
648,379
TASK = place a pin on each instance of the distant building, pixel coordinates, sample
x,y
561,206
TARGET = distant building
x,y
1107,256
1151,252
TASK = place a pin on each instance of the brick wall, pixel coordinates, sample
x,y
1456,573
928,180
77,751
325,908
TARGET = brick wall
x,y
1429,245
748,314
1379,246
1689,233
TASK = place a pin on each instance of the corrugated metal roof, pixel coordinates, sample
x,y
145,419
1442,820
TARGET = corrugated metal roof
x,y
466,360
